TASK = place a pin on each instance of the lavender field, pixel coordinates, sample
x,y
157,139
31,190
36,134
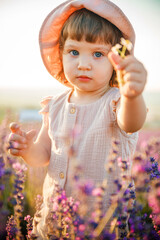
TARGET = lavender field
x,y
21,192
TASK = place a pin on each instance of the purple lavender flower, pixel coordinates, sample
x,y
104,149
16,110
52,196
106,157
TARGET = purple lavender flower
x,y
2,170
14,221
29,221
11,228
86,188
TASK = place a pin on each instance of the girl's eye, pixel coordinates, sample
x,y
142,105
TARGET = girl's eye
x,y
98,54
74,52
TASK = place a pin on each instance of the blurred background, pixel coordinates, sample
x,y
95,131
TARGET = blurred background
x,y
24,81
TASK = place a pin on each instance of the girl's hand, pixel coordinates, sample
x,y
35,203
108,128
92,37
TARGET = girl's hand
x,y
19,141
132,72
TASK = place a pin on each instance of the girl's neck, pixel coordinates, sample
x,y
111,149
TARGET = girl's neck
x,y
80,97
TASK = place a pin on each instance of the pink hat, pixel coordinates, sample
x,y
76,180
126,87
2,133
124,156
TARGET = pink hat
x,y
52,25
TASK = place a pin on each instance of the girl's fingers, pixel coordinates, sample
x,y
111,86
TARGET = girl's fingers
x,y
126,61
131,89
16,145
16,152
131,64
128,65
133,86
133,67
132,76
14,127
17,138
114,59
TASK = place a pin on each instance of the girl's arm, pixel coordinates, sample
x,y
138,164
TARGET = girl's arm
x,y
131,114
35,153
132,111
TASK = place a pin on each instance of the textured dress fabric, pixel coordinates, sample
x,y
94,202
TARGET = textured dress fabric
x,y
92,142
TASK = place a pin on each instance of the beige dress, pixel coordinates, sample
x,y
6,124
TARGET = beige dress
x,y
97,126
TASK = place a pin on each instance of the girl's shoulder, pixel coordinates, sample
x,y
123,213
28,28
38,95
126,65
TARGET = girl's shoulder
x,y
112,96
46,100
49,100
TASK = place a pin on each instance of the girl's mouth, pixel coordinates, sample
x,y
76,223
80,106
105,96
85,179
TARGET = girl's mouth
x,y
84,78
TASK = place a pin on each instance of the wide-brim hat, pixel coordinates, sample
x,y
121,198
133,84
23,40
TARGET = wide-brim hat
x,y
52,26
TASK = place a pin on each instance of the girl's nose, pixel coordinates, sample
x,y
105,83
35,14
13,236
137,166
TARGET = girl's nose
x,y
84,64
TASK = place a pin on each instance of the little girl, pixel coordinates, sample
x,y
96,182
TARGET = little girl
x,y
75,41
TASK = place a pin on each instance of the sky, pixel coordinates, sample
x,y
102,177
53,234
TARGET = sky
x,y
20,21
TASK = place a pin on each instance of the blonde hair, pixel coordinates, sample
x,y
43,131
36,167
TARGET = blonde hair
x,y
84,24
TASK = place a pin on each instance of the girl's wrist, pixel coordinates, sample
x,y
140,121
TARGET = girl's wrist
x,y
133,100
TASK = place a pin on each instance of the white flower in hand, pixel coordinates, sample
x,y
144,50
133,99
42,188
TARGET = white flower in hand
x,y
116,49
127,44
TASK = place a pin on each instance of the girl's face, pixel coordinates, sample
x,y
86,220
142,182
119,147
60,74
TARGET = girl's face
x,y
86,65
